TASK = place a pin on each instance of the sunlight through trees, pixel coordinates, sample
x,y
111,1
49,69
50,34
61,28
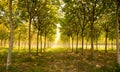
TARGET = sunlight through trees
x,y
81,28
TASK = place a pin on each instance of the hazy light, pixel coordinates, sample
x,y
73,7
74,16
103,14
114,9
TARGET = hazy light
x,y
57,33
57,36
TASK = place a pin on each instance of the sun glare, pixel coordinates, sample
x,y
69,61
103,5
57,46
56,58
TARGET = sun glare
x,y
57,33
57,36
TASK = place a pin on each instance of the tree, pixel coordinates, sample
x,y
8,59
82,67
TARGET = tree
x,y
20,34
9,57
30,8
107,27
117,30
71,26
96,9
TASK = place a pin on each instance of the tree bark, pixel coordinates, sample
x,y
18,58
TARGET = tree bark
x,y
41,43
9,57
1,43
69,42
112,45
37,43
117,33
19,42
96,45
82,41
72,43
92,47
106,36
29,41
44,42
92,22
77,44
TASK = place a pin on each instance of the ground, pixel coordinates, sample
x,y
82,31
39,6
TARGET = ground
x,y
59,60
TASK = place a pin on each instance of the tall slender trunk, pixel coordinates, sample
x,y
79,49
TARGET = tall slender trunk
x,y
92,47
82,41
69,42
1,43
117,33
96,45
112,45
48,44
29,41
86,44
72,43
92,22
37,43
19,42
9,57
77,44
106,36
44,42
25,45
41,43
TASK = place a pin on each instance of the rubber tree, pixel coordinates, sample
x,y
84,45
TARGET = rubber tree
x,y
28,10
117,30
9,57
20,34
72,24
96,9
82,16
44,20
107,26
98,32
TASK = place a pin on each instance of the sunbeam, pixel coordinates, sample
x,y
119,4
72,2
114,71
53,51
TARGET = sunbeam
x,y
57,36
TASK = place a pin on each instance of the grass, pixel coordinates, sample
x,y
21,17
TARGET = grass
x,y
60,60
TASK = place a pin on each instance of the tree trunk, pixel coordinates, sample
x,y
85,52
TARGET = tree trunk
x,y
106,36
117,33
9,57
72,43
92,26
77,44
37,43
92,47
19,42
1,43
29,41
112,45
44,42
86,44
47,43
82,41
96,45
68,43
25,45
41,43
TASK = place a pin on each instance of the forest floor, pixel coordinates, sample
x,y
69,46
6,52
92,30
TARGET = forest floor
x,y
60,60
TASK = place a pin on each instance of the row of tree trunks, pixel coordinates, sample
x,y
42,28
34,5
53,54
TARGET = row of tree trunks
x,y
4,43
